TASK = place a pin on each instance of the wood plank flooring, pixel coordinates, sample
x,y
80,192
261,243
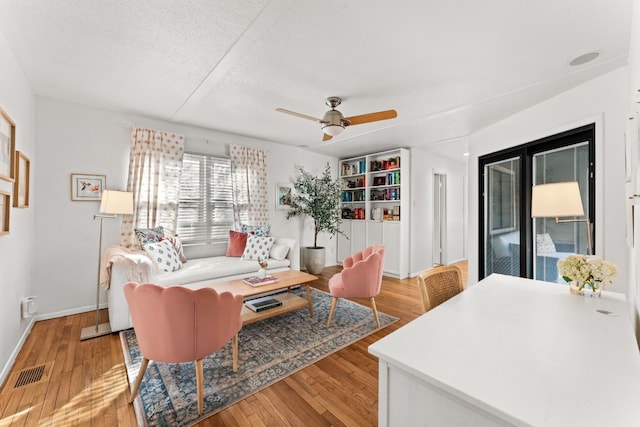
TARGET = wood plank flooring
x,y
88,383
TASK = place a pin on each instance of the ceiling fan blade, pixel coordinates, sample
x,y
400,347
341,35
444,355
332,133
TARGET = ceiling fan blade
x,y
326,137
293,113
372,117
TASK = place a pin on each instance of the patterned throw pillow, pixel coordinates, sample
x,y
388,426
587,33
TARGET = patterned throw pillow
x,y
164,255
257,247
258,230
149,235
176,241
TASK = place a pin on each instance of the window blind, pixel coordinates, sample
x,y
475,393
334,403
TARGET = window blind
x,y
205,210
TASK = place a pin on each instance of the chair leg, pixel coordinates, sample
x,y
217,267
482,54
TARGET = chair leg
x,y
136,385
234,342
333,308
199,381
375,311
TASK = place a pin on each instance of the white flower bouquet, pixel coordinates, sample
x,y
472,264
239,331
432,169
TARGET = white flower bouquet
x,y
587,270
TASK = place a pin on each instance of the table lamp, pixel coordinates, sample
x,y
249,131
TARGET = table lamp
x,y
113,203
560,199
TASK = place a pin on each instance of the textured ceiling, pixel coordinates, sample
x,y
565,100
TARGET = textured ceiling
x,y
448,67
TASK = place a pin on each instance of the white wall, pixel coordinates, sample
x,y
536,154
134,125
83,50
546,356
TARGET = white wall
x,y
76,139
634,109
603,100
423,165
18,247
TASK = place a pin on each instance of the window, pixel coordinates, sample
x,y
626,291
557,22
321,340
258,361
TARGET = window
x,y
205,210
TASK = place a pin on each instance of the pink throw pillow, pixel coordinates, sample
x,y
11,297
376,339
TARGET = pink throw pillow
x,y
237,242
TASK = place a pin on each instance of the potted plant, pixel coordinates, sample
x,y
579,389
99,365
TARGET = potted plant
x,y
319,198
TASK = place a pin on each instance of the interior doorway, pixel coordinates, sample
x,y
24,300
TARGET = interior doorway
x,y
439,218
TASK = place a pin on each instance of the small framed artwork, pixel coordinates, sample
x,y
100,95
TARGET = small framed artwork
x,y
21,183
283,195
5,209
7,146
86,187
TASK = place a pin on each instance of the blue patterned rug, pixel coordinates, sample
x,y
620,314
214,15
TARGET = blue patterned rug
x,y
269,351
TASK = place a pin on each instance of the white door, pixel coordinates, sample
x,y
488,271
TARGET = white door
x,y
439,218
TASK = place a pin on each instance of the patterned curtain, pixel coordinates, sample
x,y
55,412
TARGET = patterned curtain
x,y
249,183
155,165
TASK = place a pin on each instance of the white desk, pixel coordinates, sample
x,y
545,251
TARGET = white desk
x,y
511,351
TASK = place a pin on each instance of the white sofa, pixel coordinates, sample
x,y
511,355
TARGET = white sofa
x,y
195,273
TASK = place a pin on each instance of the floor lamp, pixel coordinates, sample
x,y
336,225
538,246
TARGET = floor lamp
x,y
113,203
560,199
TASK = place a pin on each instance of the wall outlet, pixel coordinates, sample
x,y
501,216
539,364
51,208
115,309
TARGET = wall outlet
x,y
29,306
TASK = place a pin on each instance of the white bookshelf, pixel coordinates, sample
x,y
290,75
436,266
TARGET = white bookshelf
x,y
375,203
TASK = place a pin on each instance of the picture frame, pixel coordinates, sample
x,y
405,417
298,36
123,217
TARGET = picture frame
x,y
21,182
87,187
7,147
284,191
5,210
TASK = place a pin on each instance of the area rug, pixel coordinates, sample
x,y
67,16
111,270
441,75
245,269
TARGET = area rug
x,y
269,350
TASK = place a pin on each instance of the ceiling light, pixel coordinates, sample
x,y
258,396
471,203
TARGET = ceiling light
x,y
583,59
465,154
331,129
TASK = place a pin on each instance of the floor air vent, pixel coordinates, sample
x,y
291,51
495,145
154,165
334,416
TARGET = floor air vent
x,y
28,376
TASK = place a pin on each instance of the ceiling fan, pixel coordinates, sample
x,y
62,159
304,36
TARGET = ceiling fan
x,y
333,122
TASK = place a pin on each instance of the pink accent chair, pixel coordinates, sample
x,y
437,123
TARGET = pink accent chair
x,y
361,277
177,325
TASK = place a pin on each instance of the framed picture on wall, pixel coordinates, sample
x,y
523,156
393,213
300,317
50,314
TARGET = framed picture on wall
x,y
85,187
283,195
5,209
7,146
21,183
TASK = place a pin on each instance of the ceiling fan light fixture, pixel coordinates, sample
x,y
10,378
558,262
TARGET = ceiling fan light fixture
x,y
332,129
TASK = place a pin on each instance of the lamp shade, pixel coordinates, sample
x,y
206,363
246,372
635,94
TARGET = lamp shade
x,y
117,202
556,200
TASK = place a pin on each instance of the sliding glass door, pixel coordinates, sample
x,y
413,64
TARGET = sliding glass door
x,y
513,243
555,241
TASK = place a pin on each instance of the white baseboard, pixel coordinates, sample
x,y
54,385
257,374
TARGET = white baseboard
x,y
6,369
69,312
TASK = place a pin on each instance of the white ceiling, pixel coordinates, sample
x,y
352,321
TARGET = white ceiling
x,y
449,67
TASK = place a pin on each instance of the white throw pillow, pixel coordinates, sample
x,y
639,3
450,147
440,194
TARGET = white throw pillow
x,y
164,255
544,245
257,247
279,252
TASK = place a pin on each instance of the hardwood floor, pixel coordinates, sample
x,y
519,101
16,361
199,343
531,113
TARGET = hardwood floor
x,y
87,385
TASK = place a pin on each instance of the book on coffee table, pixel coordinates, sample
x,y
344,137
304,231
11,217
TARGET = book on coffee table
x,y
261,304
256,281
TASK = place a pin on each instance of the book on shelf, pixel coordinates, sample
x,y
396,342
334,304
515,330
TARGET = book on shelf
x,y
257,281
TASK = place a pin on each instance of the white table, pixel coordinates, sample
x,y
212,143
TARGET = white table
x,y
512,351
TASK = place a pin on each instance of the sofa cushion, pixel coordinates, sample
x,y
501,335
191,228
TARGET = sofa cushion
x,y
237,243
210,269
257,247
164,255
149,235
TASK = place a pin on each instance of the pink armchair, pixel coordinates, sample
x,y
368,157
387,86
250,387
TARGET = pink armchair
x,y
177,324
361,277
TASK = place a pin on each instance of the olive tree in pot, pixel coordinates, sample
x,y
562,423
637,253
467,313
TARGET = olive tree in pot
x,y
319,198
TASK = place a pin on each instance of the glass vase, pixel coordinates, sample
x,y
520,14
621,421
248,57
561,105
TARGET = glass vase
x,y
587,290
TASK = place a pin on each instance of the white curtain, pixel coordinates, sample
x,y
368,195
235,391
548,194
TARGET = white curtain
x,y
249,182
155,166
